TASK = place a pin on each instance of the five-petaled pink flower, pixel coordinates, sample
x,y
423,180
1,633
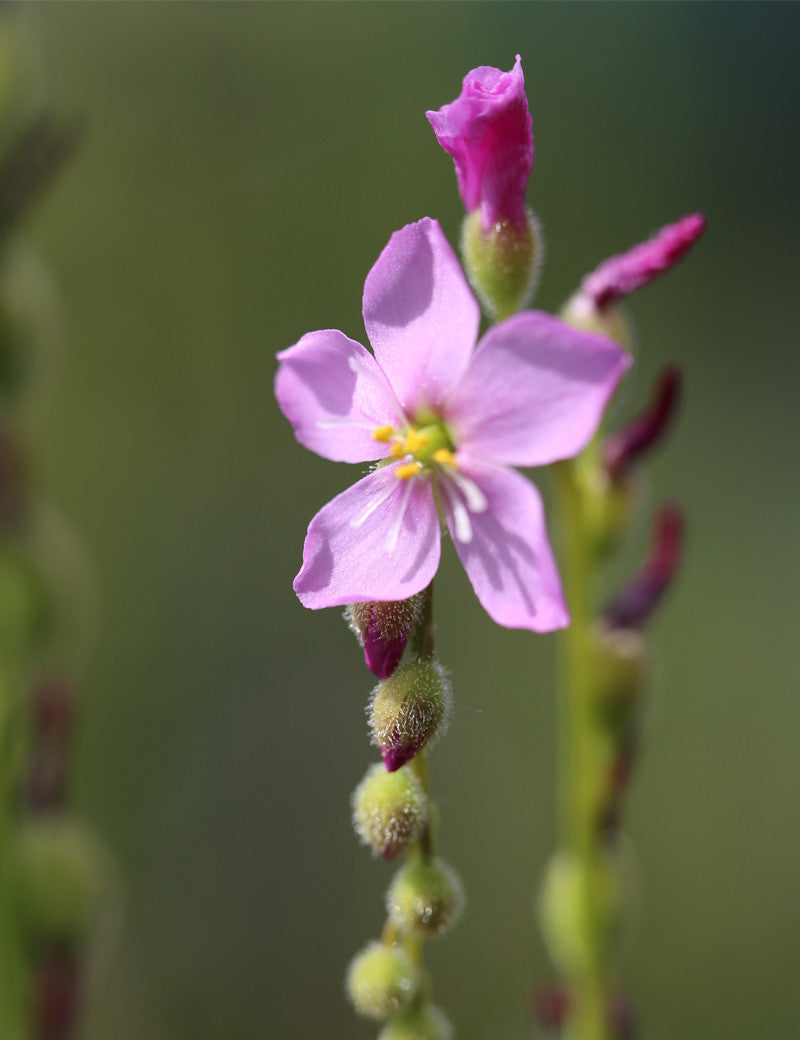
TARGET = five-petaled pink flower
x,y
444,420
488,132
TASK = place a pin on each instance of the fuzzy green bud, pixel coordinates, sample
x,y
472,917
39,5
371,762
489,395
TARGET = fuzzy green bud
x,y
425,1023
620,668
409,710
607,506
425,898
382,980
389,810
59,874
502,263
579,911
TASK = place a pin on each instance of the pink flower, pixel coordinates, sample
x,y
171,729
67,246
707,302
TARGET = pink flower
x,y
444,420
621,275
487,130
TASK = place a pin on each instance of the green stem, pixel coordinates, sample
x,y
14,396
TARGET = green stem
x,y
581,762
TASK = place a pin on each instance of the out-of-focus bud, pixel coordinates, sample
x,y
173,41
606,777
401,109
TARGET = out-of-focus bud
x,y
52,708
382,980
606,506
594,305
620,667
409,710
383,630
634,604
421,1023
623,448
56,995
58,872
503,262
576,922
425,898
389,810
550,1007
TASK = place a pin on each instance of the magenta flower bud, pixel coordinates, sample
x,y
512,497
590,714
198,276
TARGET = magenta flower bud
x,y
408,711
488,132
634,604
623,448
383,629
621,275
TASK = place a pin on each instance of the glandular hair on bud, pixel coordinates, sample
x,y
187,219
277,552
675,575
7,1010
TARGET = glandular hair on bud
x,y
581,312
424,1023
382,980
503,262
389,810
425,897
409,710
620,669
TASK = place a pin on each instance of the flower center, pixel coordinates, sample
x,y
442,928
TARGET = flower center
x,y
422,447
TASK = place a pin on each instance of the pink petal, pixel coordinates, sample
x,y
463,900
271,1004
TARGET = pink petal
x,y
378,540
507,556
334,394
534,391
487,130
622,274
420,315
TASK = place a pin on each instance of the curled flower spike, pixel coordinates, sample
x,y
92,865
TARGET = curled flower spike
x,y
488,132
445,420
623,448
621,275
634,604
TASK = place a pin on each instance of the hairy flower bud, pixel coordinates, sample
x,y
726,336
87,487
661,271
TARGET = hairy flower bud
x,y
389,810
383,629
382,980
409,710
503,262
574,925
58,872
620,665
423,1023
425,897
646,430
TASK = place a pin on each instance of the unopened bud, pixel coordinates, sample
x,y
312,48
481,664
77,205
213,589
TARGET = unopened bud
x,y
503,262
59,874
383,629
425,898
578,912
382,980
636,601
620,666
389,810
425,1023
606,507
409,710
644,432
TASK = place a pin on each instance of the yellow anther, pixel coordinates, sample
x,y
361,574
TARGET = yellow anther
x,y
415,440
398,450
410,469
383,434
444,457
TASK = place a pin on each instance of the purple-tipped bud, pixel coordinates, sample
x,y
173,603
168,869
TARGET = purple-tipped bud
x,y
634,604
645,431
408,711
550,1006
488,132
383,629
621,275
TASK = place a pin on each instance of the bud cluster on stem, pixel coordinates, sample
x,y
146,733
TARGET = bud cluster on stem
x,y
394,815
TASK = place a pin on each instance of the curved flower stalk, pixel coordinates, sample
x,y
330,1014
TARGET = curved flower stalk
x,y
445,420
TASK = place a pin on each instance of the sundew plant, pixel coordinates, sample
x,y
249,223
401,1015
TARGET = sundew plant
x,y
439,419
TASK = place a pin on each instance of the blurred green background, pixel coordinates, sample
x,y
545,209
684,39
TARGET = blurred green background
x,y
241,168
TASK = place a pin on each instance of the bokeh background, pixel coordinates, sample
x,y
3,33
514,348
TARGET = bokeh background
x,y
241,167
